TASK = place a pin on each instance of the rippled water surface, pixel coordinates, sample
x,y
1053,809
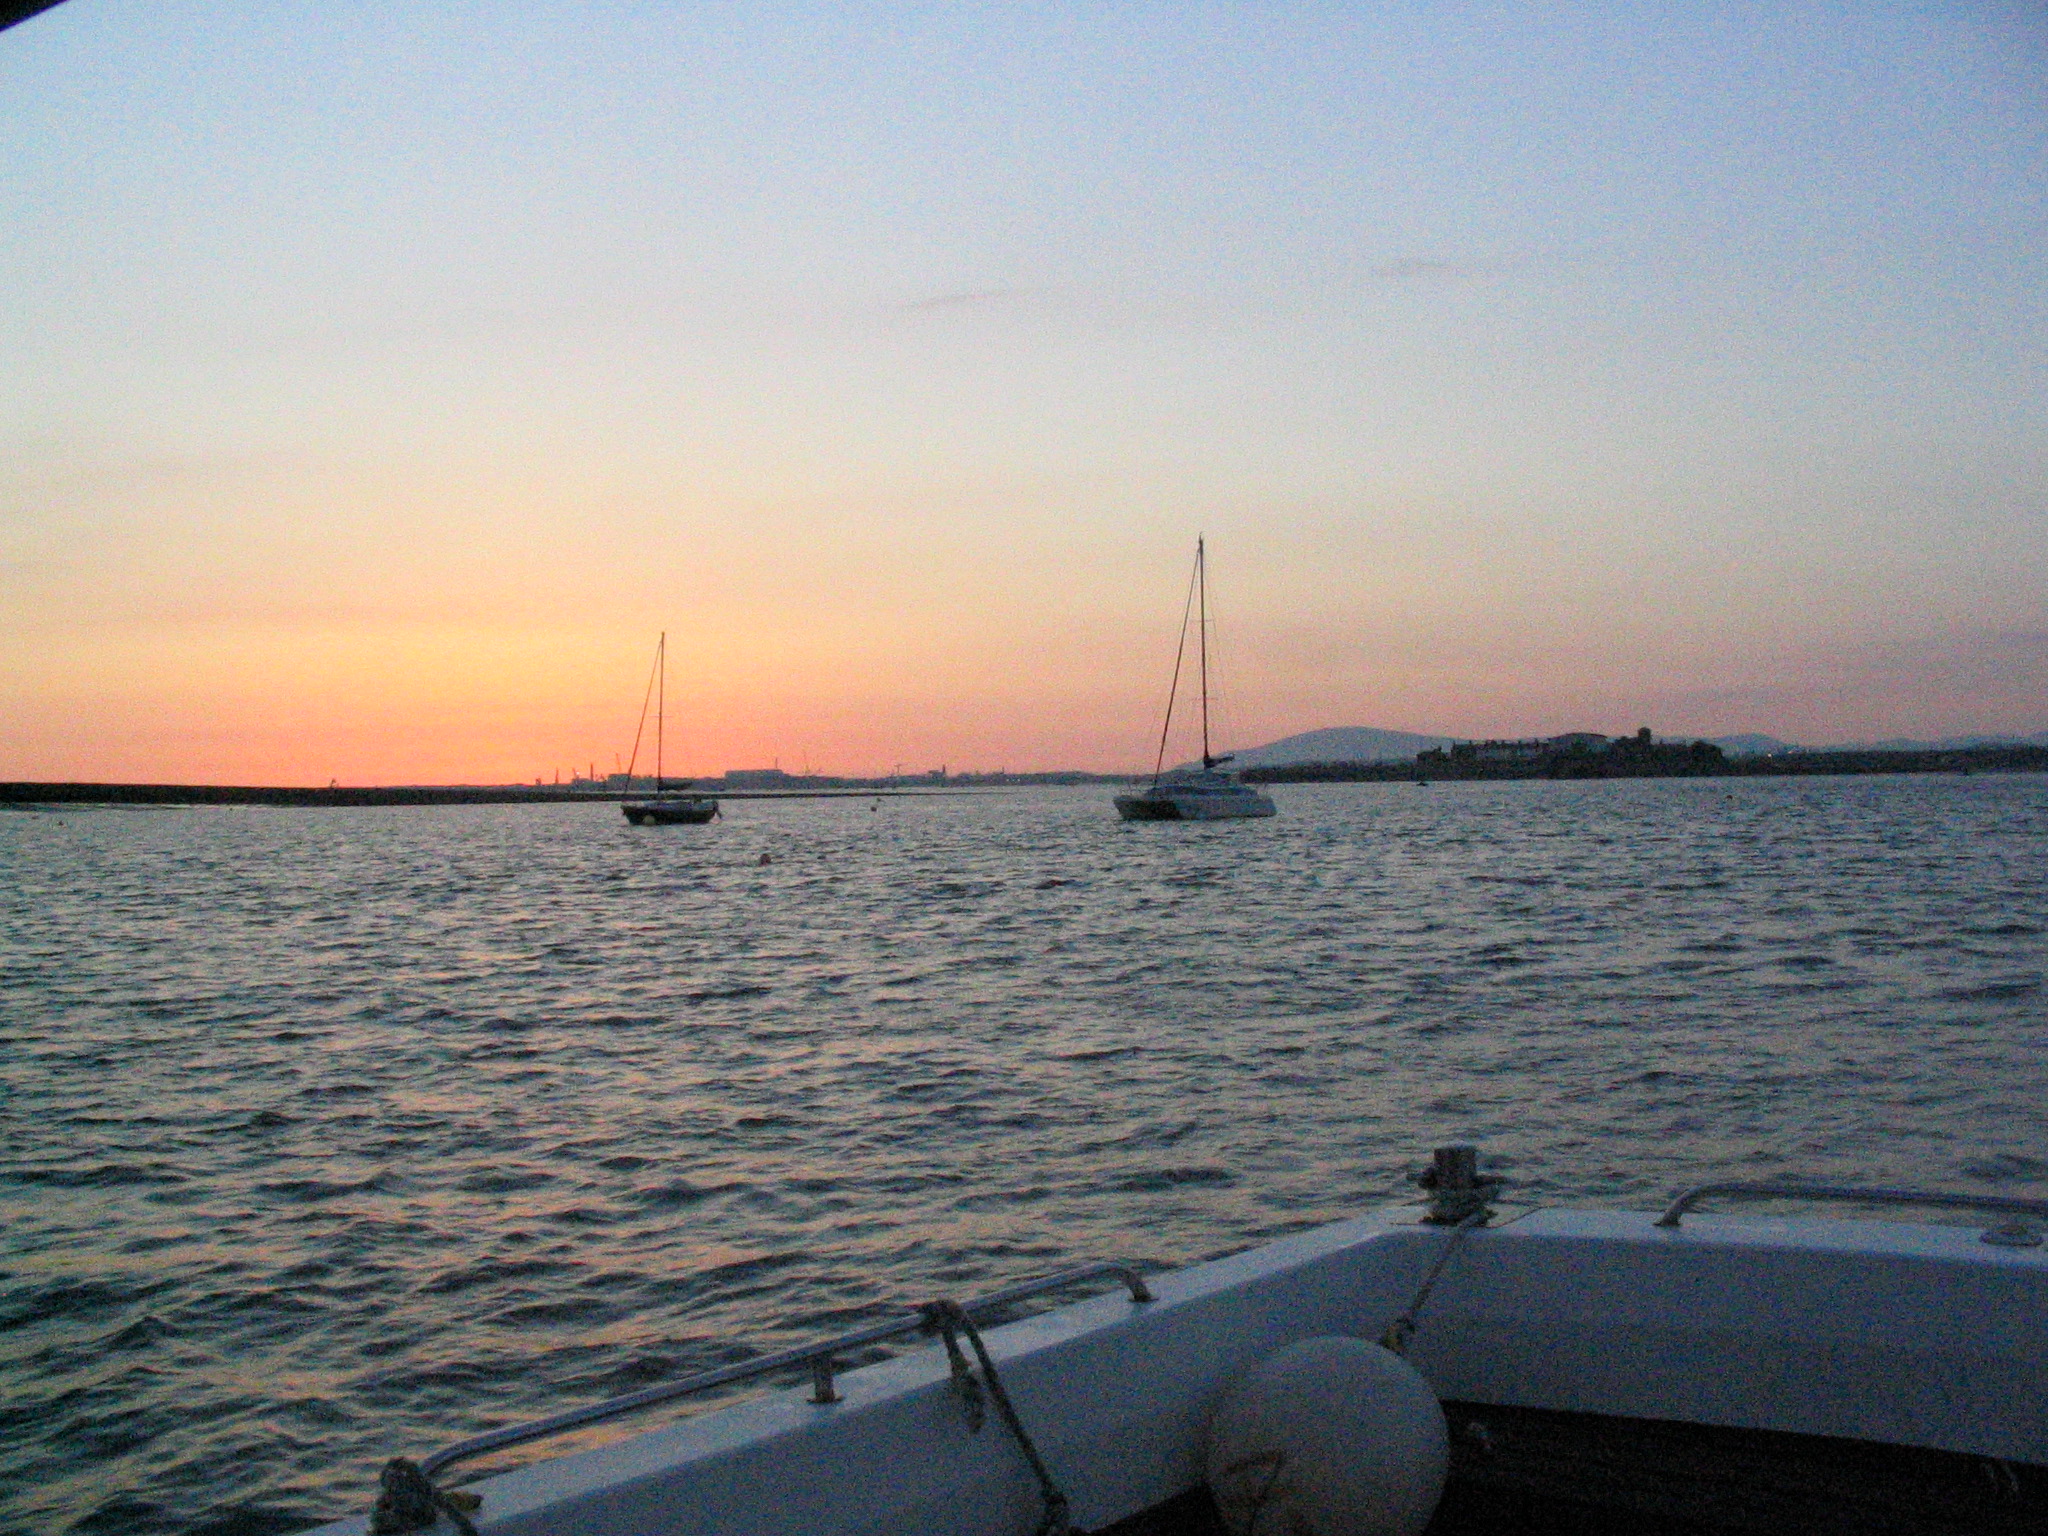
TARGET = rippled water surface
x,y
327,1135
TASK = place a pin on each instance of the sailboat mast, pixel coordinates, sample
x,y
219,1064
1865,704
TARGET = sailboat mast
x,y
1180,655
1202,588
661,703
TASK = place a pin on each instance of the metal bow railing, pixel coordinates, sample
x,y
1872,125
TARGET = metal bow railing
x,y
819,1357
2007,1204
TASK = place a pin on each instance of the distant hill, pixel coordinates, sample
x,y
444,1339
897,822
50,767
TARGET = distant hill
x,y
1339,744
1751,745
1946,744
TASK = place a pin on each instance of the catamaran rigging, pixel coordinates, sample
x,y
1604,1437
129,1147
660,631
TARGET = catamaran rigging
x,y
1188,794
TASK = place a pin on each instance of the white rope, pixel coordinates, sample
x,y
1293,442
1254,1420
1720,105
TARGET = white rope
x,y
1402,1328
949,1320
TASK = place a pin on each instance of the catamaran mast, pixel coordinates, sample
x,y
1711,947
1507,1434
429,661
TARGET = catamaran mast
x,y
1197,583
1202,589
661,703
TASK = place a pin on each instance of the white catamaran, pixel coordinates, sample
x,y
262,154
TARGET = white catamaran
x,y
662,808
1210,792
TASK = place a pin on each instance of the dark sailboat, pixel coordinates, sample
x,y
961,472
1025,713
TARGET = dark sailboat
x,y
662,809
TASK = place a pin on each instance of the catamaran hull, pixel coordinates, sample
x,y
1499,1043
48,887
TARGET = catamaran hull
x,y
674,813
1193,807
1915,1337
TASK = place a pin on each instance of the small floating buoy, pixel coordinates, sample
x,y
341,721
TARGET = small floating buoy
x,y
1335,1436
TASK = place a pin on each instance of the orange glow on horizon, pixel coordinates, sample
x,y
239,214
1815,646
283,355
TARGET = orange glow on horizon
x,y
427,705
357,422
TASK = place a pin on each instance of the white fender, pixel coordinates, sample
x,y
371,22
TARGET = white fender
x,y
1328,1437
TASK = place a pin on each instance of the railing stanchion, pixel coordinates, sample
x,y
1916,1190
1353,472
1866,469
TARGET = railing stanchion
x,y
821,1380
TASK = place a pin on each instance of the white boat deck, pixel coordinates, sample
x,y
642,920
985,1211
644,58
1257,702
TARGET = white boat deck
x,y
1908,1335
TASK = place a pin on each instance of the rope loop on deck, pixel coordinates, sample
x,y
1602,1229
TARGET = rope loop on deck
x,y
409,1500
1402,1329
949,1320
966,1387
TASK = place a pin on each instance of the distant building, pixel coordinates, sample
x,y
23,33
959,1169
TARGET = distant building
x,y
1532,751
1574,755
758,778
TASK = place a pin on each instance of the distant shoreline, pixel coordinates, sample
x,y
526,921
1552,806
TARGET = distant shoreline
x,y
1673,765
2006,759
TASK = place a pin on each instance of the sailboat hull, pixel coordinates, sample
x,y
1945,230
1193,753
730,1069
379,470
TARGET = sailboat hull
x,y
670,813
1163,803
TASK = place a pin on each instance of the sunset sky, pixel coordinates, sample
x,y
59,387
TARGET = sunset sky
x,y
377,380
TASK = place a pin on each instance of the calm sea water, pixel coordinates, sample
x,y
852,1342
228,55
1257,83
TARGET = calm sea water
x,y
329,1135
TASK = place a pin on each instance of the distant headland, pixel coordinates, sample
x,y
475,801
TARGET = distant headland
x,y
1591,755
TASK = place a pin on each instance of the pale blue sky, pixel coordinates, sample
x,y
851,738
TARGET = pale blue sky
x,y
1531,369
